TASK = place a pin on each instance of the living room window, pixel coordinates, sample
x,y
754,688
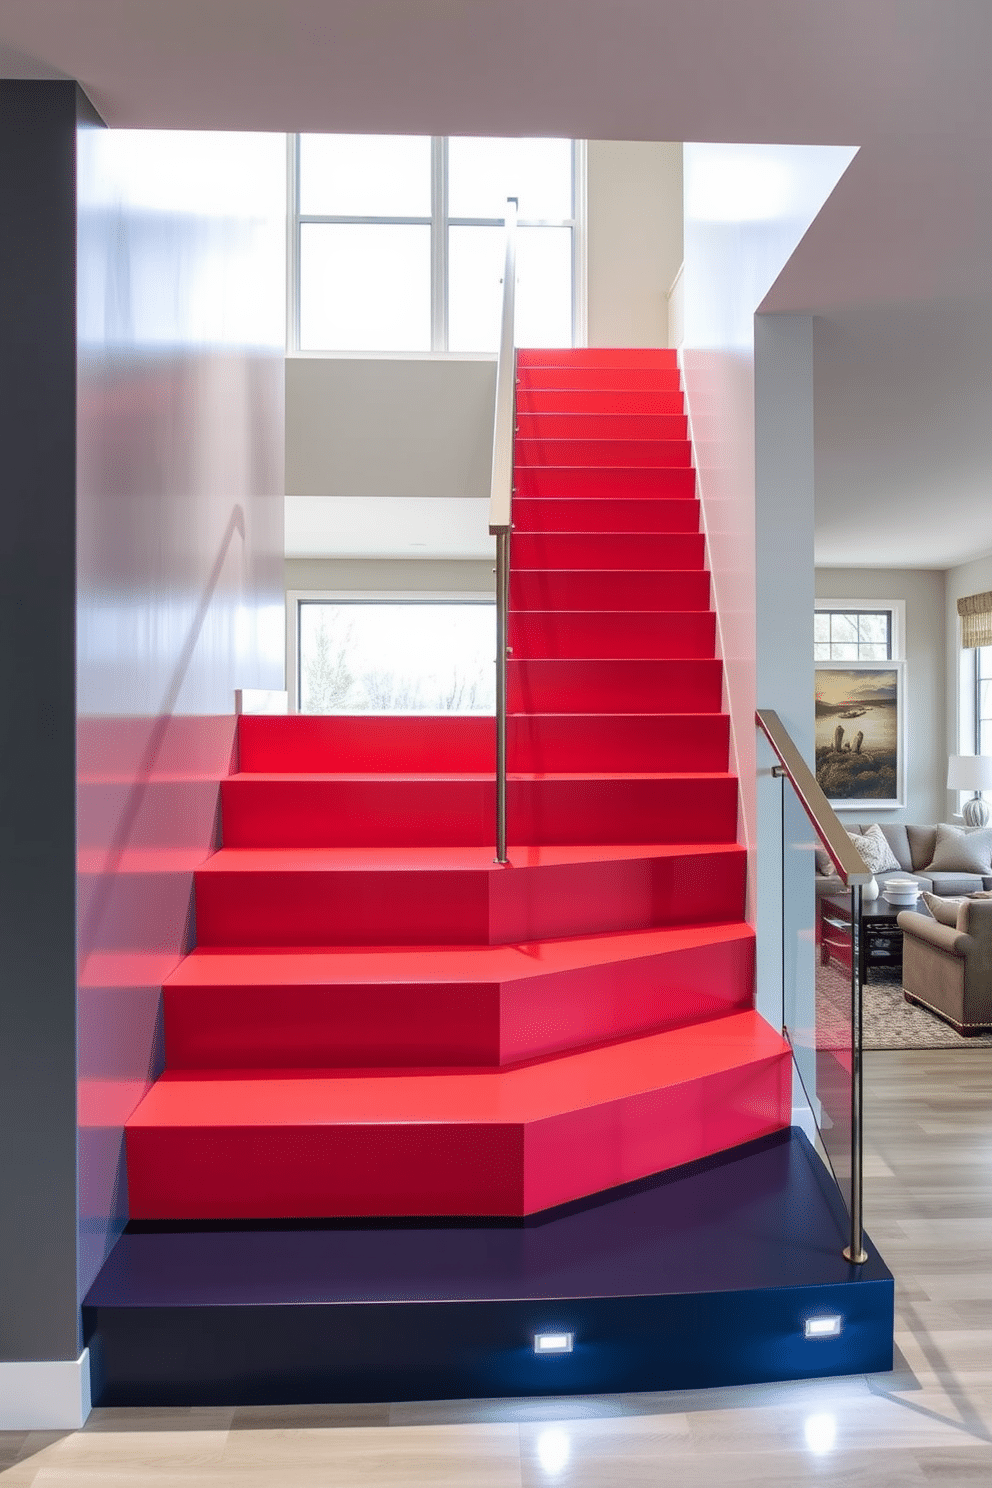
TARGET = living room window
x,y
848,634
983,699
397,242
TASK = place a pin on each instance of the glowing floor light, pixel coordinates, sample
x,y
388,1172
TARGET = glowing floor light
x,y
553,1343
823,1327
553,1449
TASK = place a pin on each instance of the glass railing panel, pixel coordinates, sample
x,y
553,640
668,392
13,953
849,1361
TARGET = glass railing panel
x,y
817,955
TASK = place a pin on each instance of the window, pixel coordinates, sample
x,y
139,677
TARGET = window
x,y
398,242
983,699
853,635
375,655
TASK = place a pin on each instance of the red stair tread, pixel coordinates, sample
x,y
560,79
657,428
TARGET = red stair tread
x,y
221,966
593,1077
422,859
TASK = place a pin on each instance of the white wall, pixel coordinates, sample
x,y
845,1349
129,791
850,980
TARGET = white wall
x,y
746,208
634,241
926,737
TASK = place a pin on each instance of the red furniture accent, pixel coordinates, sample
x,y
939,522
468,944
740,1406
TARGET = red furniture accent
x,y
378,1019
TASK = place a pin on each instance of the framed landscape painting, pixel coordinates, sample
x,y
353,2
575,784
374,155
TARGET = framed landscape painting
x,y
859,734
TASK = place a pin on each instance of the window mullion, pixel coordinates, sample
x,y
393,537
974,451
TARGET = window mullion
x,y
439,243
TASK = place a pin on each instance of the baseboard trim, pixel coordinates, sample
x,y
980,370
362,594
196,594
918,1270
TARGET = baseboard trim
x,y
45,1395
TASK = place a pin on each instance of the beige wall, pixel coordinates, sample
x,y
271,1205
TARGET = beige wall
x,y
923,592
390,576
634,242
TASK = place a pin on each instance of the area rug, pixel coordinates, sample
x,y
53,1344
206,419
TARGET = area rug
x,y
889,1021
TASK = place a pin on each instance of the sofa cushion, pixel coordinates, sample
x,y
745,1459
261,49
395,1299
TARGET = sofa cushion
x,y
921,845
897,837
950,884
944,911
962,850
921,878
875,852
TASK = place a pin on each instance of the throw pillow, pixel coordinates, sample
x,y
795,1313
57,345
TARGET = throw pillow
x,y
944,911
891,861
873,851
961,850
824,862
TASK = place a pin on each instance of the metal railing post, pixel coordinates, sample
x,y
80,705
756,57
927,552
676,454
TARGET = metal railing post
x,y
500,507
855,1252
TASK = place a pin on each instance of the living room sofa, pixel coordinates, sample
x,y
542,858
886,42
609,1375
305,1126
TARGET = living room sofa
x,y
948,969
913,848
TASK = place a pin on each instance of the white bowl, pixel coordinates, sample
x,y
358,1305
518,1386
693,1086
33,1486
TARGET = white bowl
x,y
902,890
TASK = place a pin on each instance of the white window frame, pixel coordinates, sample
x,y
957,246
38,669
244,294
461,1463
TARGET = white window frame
x,y
296,597
439,222
896,609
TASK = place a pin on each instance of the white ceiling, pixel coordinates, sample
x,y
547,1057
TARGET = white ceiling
x,y
897,264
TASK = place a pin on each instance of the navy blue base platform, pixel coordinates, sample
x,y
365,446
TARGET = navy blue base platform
x,y
702,1276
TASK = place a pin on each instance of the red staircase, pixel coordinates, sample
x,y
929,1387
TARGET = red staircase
x,y
380,1020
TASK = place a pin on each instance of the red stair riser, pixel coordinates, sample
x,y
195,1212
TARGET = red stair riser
x,y
352,1024
599,356
560,742
419,1023
542,744
329,812
586,633
616,550
614,454
577,480
614,686
601,379
298,743
581,1152
559,514
545,1015
601,426
607,401
497,906
598,589
287,1172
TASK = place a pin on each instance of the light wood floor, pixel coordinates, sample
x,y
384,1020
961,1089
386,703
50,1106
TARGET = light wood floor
x,y
929,1209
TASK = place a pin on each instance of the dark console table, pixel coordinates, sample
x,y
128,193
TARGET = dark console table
x,y
881,938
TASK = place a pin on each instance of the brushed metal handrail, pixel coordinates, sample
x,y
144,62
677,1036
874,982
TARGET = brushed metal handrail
x,y
500,505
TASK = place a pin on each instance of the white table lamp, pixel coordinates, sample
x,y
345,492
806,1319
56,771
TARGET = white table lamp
x,y
971,772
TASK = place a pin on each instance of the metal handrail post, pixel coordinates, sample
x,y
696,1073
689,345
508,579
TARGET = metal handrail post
x,y
502,617
500,506
855,1252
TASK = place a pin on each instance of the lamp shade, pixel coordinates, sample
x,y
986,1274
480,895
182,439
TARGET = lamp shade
x,y
969,772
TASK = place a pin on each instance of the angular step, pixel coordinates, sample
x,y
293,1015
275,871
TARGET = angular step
x,y
306,811
553,742
459,896
615,550
544,743
602,401
579,633
356,743
597,356
540,685
601,379
579,480
601,426
608,589
439,1006
508,1142
614,514
613,454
